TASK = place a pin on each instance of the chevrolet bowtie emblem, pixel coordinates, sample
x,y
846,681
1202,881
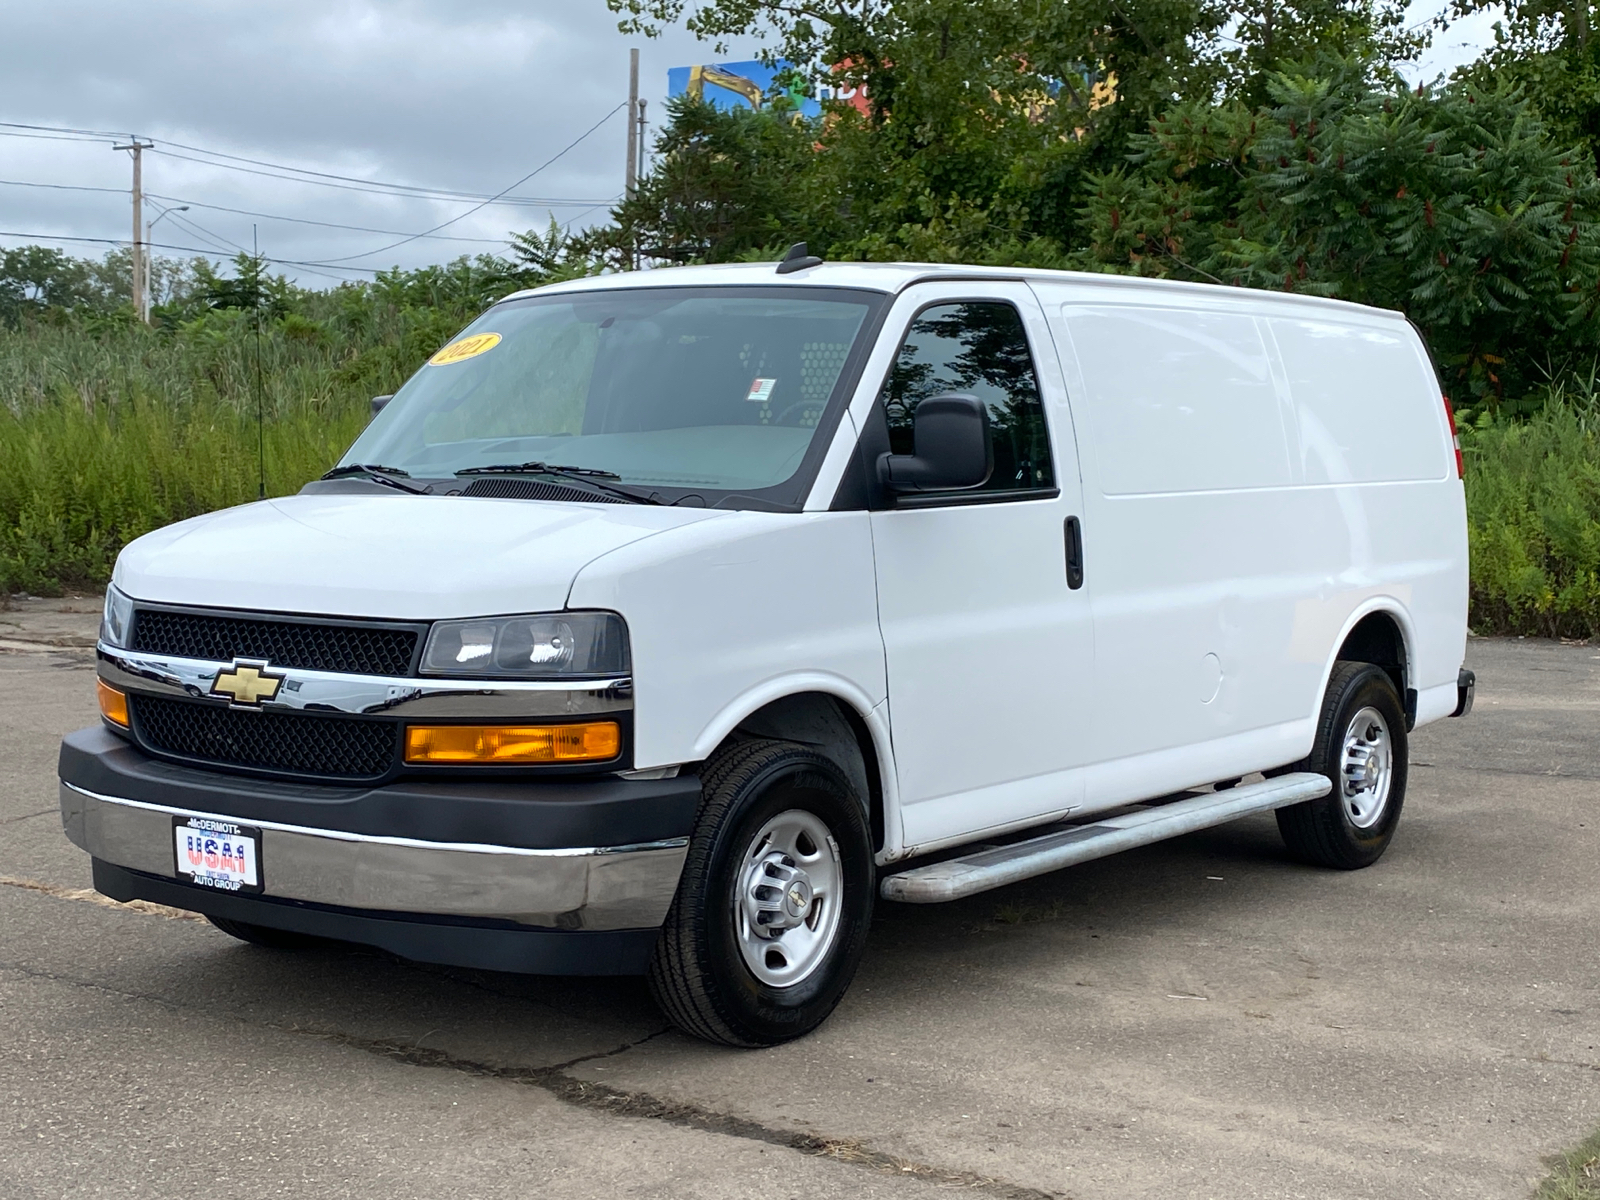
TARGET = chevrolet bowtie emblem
x,y
246,683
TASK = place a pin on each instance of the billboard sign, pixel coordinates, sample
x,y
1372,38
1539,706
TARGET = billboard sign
x,y
732,85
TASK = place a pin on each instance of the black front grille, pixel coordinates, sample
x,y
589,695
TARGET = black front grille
x,y
330,747
535,489
352,649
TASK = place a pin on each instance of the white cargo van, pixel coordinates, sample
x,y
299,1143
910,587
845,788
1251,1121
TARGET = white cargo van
x,y
663,622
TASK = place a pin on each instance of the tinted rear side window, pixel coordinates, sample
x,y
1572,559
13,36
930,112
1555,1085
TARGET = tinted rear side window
x,y
979,348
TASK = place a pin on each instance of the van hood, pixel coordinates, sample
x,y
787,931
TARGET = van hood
x,y
395,557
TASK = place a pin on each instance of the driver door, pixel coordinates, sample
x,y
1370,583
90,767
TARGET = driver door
x,y
989,650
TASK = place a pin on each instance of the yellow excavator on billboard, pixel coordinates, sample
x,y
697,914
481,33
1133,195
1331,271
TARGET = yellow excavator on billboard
x,y
738,84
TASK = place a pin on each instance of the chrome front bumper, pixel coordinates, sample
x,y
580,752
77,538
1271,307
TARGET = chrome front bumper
x,y
578,888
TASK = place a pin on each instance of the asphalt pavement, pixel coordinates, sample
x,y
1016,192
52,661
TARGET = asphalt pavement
x,y
1202,1018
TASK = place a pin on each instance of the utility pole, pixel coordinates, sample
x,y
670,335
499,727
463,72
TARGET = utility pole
x,y
137,145
632,177
644,144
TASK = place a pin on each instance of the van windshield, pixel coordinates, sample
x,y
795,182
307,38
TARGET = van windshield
x,y
674,391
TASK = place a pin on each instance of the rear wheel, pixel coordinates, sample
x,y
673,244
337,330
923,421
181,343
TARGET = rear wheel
x,y
264,935
772,910
1361,747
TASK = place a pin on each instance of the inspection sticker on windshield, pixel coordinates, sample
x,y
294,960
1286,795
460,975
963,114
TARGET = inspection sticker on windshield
x,y
217,854
761,390
467,347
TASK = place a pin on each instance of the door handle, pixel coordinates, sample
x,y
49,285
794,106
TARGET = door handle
x,y
1074,553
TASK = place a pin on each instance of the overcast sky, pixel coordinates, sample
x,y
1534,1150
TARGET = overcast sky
x,y
467,96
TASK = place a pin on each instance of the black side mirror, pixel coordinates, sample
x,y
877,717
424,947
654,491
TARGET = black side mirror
x,y
379,401
953,448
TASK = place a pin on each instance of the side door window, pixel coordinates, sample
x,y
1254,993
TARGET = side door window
x,y
980,348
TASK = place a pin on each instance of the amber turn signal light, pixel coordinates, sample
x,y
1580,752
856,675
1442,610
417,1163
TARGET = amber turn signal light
x,y
595,741
113,704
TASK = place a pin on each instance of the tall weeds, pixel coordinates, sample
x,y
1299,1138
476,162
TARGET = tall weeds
x,y
109,431
1533,521
79,482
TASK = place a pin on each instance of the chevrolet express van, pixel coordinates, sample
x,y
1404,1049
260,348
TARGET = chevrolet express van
x,y
664,622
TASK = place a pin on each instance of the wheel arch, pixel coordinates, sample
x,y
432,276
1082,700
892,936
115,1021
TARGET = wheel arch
x,y
831,715
1379,632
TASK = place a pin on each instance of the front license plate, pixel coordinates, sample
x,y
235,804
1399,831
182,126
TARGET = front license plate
x,y
217,854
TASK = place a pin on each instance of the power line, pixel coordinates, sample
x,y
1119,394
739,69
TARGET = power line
x,y
307,220
368,185
245,212
378,190
203,253
216,239
301,175
50,137
61,237
570,221
63,187
99,133
462,216
447,193
69,133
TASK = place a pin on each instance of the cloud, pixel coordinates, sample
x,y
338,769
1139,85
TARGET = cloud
x,y
435,94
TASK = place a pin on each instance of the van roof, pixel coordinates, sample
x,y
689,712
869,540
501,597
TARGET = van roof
x,y
894,277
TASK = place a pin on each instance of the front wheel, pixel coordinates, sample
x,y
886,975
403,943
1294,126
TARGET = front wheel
x,y
1361,747
771,915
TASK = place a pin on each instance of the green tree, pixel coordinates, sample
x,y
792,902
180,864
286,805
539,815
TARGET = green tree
x,y
1315,37
726,184
1548,50
1450,204
982,112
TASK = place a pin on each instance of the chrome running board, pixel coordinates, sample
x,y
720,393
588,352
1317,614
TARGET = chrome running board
x,y
997,866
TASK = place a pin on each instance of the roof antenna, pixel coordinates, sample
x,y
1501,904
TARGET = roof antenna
x,y
798,259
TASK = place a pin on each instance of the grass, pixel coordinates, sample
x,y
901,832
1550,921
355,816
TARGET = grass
x,y
109,430
1533,523
1576,1174
79,483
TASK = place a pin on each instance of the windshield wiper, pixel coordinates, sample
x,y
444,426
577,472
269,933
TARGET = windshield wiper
x,y
584,475
537,468
378,473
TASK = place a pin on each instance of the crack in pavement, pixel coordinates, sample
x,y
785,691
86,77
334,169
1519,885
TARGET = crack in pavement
x,y
1561,1062
583,1094
16,646
43,812
90,896
1556,773
600,1097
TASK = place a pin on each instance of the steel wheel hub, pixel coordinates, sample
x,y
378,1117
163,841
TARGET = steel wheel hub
x,y
1366,768
786,909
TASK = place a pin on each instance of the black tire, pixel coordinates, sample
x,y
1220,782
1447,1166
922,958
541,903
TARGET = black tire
x,y
264,935
699,976
1327,832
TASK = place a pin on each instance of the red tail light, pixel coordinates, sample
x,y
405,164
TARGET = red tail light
x,y
1455,438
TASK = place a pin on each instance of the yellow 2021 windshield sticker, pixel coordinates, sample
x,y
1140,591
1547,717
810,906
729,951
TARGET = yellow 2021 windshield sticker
x,y
467,347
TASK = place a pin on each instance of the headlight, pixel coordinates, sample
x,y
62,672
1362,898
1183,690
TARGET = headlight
x,y
116,625
537,646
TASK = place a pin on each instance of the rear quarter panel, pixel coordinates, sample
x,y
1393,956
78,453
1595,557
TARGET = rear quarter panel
x,y
1270,574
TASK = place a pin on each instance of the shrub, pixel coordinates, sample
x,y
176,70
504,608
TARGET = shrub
x,y
1533,522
